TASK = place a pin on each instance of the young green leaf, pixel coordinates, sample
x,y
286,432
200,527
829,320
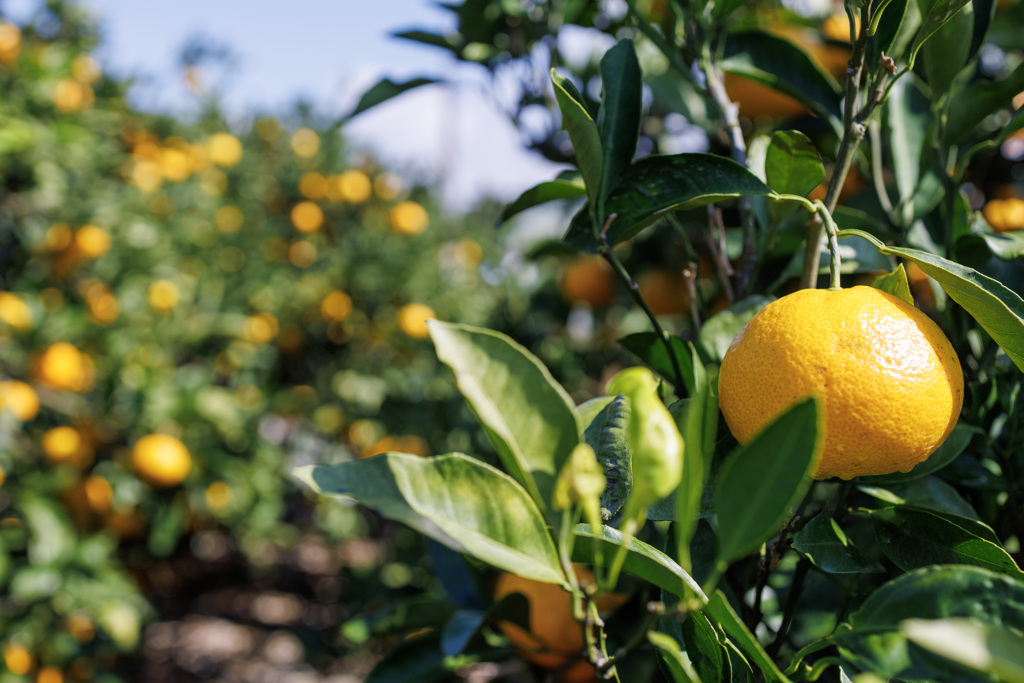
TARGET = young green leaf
x,y
455,499
648,347
543,193
675,661
759,483
618,122
792,164
655,185
642,560
829,549
895,283
707,652
997,308
586,143
721,613
783,66
873,641
989,649
913,537
527,415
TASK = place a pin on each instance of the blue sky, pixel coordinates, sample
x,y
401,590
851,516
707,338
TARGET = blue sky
x,y
328,53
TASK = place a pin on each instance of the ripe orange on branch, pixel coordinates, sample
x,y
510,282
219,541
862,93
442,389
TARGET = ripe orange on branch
x,y
161,459
888,381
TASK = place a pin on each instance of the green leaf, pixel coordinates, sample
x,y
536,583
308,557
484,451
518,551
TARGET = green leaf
x,y
457,500
946,52
418,659
927,492
986,648
889,26
586,143
385,90
618,122
829,549
872,640
724,616
759,483
999,310
783,66
913,537
606,431
649,348
895,283
717,333
655,185
642,560
434,39
955,444
550,191
908,117
707,652
51,537
527,415
677,663
792,164
941,12
978,101
699,424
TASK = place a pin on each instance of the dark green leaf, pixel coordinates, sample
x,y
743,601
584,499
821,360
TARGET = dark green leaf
x,y
586,143
783,66
946,52
709,656
457,500
434,39
955,444
888,28
649,348
460,630
792,164
941,12
760,482
927,492
385,90
167,527
996,308
873,640
717,333
678,665
913,537
527,415
895,283
978,101
542,194
618,122
642,560
908,113
606,419
986,648
723,8
413,660
829,549
698,424
721,613
655,185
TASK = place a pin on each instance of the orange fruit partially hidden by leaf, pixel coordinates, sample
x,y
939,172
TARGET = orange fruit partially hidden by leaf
x,y
1005,215
588,280
161,459
664,291
412,318
888,381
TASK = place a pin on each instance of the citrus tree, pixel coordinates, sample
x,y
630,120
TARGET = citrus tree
x,y
857,513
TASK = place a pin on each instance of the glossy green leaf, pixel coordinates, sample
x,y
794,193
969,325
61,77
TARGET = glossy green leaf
x,y
717,333
913,537
551,191
618,122
927,492
759,483
783,66
582,130
528,416
792,164
829,548
872,640
995,307
946,52
655,185
978,101
455,499
889,26
955,444
699,425
606,420
676,662
649,348
642,560
941,12
703,643
908,113
987,648
895,283
724,616
385,90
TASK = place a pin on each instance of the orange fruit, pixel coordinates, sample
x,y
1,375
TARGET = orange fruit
x,y
162,296
49,674
60,444
664,291
588,280
305,143
260,328
224,149
755,99
307,217
412,319
555,640
91,241
354,186
337,306
62,366
14,311
161,459
20,399
408,218
1005,214
889,382
920,287
18,659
